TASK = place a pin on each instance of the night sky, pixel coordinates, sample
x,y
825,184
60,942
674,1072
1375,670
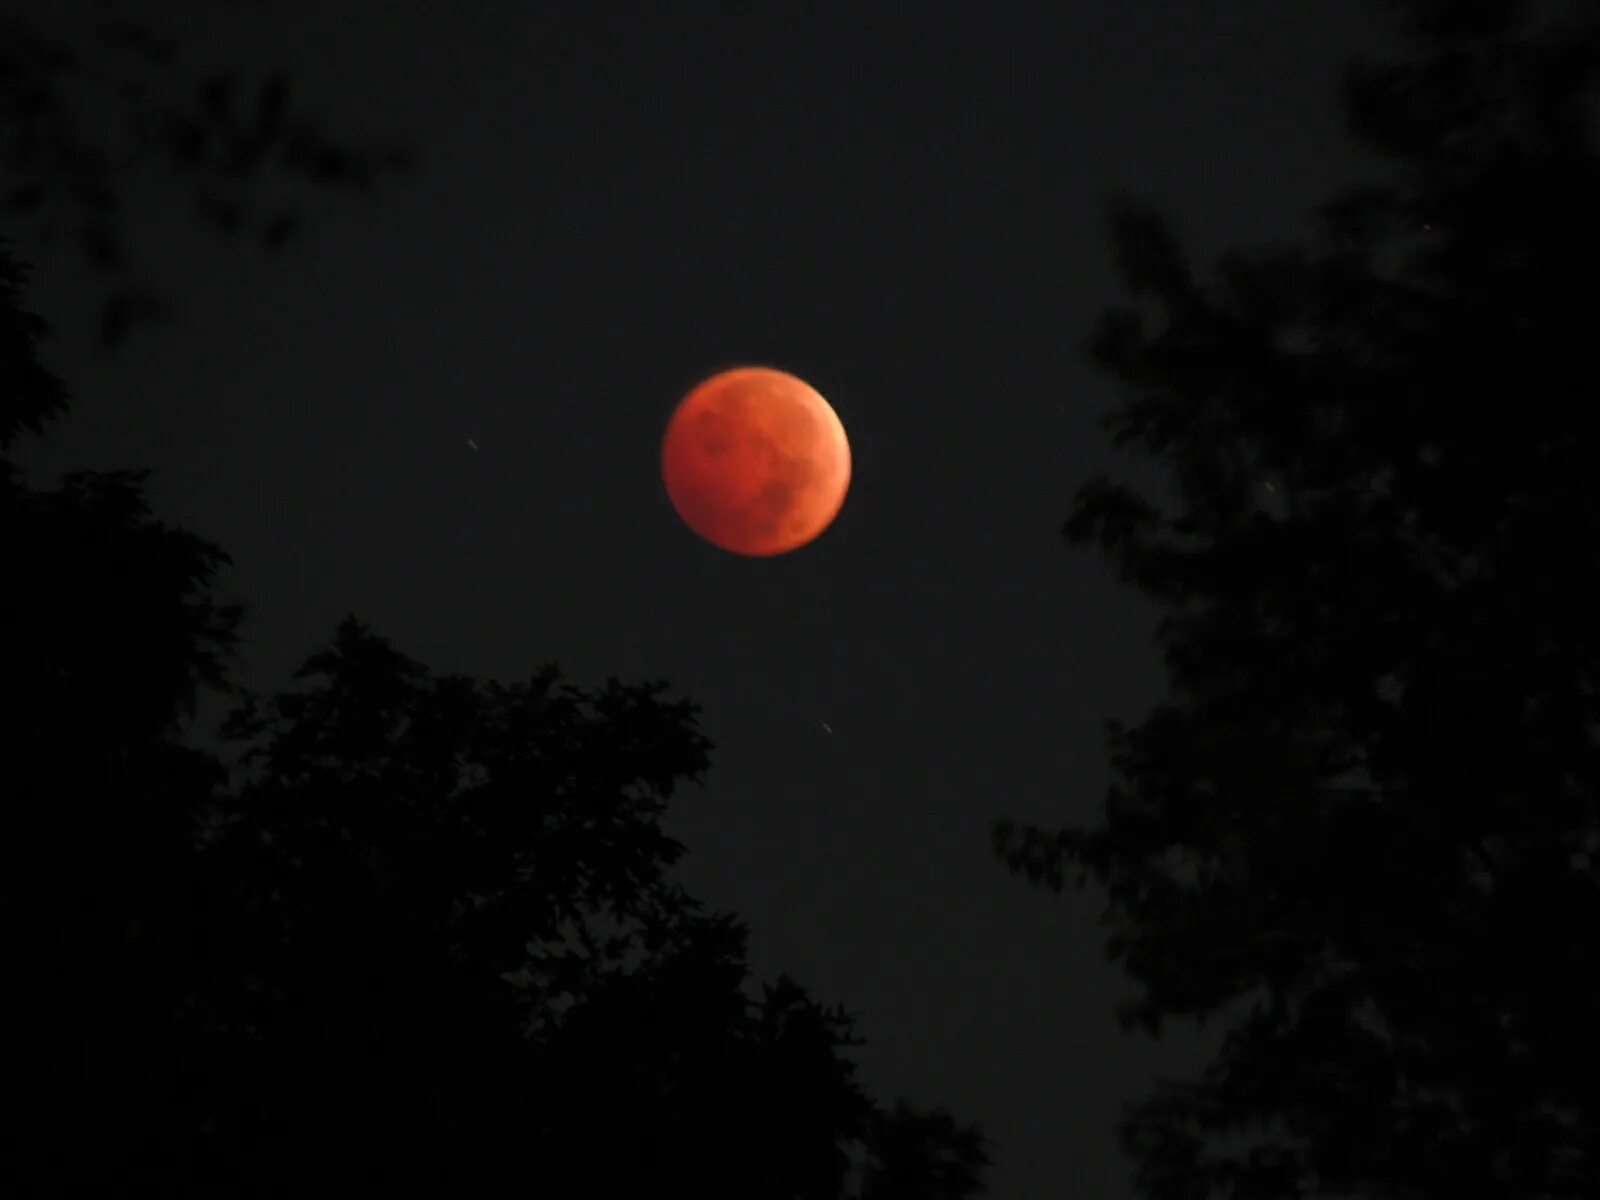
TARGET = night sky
x,y
903,206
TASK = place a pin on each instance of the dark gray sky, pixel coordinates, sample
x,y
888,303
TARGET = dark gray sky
x,y
902,205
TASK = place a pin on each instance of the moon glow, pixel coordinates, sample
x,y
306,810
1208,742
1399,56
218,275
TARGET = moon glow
x,y
755,461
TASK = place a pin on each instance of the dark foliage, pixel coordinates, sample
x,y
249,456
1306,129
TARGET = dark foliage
x,y
107,633
31,398
93,100
426,948
470,944
1364,829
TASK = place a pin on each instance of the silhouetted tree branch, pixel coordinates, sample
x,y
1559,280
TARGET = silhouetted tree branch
x,y
1365,823
92,99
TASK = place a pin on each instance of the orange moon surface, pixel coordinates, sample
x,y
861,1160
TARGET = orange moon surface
x,y
755,461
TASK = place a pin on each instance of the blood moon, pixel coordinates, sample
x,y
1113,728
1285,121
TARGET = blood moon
x,y
755,461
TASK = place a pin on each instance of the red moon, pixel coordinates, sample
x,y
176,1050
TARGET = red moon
x,y
755,461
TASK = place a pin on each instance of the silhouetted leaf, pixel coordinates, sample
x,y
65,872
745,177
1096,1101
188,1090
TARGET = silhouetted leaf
x,y
216,97
123,310
270,107
25,198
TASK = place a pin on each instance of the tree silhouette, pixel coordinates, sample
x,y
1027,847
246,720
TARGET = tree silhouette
x,y
108,631
473,948
1364,827
92,99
